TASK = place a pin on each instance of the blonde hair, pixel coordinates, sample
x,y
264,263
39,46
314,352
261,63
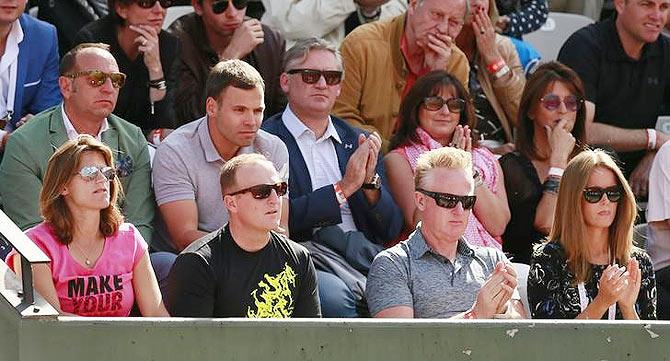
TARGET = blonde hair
x,y
569,229
63,165
445,157
227,177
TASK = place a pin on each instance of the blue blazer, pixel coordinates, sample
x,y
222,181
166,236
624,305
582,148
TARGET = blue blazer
x,y
319,208
37,72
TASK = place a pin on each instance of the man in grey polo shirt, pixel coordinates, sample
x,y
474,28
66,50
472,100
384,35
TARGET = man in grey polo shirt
x,y
435,273
187,164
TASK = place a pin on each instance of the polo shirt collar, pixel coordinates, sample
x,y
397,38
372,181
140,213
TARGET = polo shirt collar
x,y
615,51
297,128
418,247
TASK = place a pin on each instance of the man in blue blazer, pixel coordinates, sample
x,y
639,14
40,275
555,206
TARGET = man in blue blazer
x,y
30,59
336,183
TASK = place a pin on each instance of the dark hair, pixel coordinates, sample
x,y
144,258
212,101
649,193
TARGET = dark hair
x,y
235,73
111,6
536,85
69,60
429,85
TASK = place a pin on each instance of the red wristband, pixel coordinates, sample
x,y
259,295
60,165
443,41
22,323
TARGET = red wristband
x,y
496,66
339,195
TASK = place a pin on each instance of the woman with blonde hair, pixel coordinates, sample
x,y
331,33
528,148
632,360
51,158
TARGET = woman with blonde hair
x,y
589,268
99,264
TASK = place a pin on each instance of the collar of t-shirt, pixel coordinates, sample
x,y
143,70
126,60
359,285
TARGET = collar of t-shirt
x,y
615,50
8,67
72,132
418,246
298,129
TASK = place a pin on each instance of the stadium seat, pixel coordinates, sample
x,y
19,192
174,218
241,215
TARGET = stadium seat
x,y
174,13
550,37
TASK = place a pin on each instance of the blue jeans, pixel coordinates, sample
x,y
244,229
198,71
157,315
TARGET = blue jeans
x,y
162,262
337,301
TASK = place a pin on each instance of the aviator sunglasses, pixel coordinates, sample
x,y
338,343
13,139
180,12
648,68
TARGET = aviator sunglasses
x,y
148,4
595,194
90,173
97,78
435,103
312,76
449,201
553,101
263,191
218,7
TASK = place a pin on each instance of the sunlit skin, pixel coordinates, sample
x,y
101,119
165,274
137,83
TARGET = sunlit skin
x,y
542,116
440,124
136,15
640,22
80,194
599,215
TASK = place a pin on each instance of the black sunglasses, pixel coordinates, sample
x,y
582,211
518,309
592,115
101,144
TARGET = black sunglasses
x,y
218,7
595,194
447,200
312,76
90,173
148,4
435,103
97,78
262,191
553,101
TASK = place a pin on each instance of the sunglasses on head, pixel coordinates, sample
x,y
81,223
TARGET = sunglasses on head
x,y
90,173
595,194
435,103
148,4
553,101
263,191
97,78
218,7
312,76
449,201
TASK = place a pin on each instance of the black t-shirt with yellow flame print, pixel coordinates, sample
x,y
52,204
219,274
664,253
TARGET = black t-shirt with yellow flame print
x,y
214,277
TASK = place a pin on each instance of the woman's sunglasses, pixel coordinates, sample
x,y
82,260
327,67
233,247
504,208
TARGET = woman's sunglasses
x,y
148,4
90,173
263,191
595,194
218,7
553,101
312,76
97,78
435,103
449,201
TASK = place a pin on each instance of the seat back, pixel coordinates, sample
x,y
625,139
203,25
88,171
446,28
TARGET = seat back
x,y
174,13
550,37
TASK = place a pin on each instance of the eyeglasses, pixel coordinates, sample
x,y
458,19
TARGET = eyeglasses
x,y
262,191
312,76
553,101
148,4
447,200
595,194
435,103
218,7
90,173
97,78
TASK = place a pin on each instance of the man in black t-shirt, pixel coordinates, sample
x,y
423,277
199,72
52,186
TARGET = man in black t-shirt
x,y
625,67
245,269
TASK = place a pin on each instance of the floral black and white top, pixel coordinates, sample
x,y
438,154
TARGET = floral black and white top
x,y
553,294
525,15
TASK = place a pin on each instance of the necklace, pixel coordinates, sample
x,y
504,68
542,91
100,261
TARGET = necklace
x,y
87,260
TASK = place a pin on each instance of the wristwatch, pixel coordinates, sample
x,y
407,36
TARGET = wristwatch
x,y
375,183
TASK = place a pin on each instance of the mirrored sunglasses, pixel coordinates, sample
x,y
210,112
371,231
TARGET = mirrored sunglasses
x,y
553,101
148,4
90,173
449,201
263,191
435,103
312,76
595,194
97,78
218,7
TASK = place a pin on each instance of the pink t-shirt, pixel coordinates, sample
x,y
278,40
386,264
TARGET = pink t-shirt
x,y
106,290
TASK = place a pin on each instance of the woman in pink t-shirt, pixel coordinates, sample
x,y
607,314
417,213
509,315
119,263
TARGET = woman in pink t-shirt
x,y
99,265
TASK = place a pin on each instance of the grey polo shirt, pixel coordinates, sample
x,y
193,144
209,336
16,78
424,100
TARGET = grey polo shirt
x,y
187,165
411,274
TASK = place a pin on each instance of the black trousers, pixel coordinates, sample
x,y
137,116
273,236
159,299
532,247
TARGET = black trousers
x,y
663,293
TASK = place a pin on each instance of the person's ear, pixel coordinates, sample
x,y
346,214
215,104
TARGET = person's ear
x,y
211,107
64,191
231,203
420,201
121,10
198,7
283,82
66,86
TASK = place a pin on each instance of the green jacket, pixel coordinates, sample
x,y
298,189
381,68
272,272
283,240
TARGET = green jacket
x,y
28,151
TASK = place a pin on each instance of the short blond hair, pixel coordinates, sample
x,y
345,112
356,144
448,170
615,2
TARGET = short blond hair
x,y
445,157
228,175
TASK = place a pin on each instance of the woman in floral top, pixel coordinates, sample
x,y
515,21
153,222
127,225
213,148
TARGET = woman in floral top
x,y
590,269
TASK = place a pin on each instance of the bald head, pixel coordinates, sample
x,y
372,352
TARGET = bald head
x,y
71,59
